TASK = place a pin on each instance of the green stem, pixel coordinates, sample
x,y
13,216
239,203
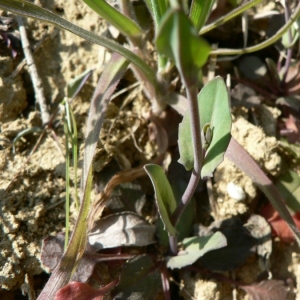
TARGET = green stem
x,y
67,221
264,44
229,16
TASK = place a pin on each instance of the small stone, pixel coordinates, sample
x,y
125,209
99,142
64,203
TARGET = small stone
x,y
235,192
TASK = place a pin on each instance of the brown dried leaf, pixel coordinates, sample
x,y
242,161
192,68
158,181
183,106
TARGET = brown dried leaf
x,y
125,229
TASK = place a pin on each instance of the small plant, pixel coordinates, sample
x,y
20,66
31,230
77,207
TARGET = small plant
x,y
204,134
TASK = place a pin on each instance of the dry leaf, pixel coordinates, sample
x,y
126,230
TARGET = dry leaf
x,y
125,229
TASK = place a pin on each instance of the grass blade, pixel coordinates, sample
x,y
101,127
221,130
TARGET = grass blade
x,y
200,10
28,9
114,17
242,159
61,275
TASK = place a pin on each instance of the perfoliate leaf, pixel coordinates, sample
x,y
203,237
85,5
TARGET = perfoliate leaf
x,y
214,110
165,199
195,247
177,39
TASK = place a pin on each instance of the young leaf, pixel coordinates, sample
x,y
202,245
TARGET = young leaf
x,y
125,25
75,85
195,247
178,40
165,199
214,110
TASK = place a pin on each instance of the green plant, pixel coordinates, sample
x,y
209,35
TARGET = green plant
x,y
204,134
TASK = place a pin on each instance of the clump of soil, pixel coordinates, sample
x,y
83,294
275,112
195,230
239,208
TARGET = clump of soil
x,y
263,149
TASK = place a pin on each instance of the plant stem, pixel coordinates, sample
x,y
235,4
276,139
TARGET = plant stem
x,y
239,10
192,92
266,43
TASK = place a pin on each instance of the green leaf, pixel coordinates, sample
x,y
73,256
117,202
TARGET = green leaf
x,y
77,83
288,185
195,247
200,10
214,110
125,25
165,199
178,40
178,180
185,142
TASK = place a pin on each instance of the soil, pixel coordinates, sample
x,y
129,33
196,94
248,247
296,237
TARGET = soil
x,y
32,180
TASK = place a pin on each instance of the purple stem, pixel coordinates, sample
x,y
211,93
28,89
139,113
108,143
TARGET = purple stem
x,y
197,146
165,282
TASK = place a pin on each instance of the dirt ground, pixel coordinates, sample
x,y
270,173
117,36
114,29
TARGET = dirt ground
x,y
33,191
